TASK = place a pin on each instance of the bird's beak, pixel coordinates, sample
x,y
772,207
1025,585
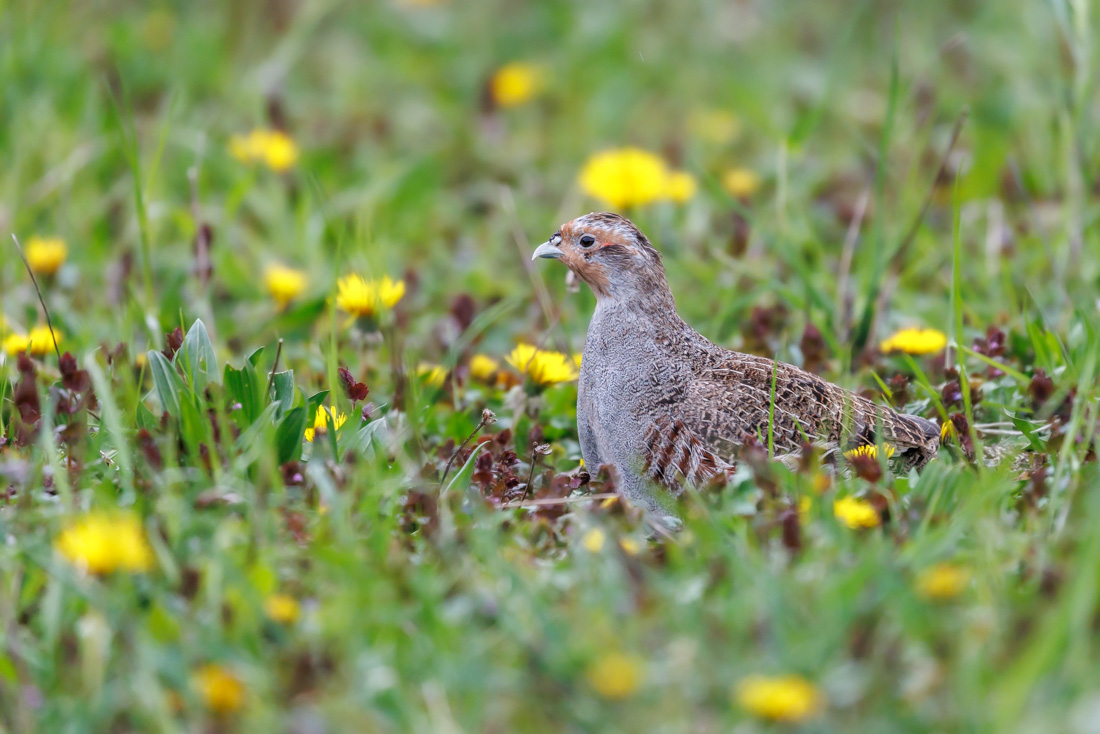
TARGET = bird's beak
x,y
547,250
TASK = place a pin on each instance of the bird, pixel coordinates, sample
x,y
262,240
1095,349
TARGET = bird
x,y
667,408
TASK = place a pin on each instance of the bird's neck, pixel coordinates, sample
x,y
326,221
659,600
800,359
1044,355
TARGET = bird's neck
x,y
644,290
642,309
653,305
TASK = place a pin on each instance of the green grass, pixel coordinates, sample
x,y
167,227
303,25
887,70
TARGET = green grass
x,y
433,609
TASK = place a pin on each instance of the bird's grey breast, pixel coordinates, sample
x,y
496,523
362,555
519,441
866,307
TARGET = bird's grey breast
x,y
627,373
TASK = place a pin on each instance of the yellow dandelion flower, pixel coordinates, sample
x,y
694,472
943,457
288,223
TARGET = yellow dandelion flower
x,y
856,513
16,344
915,341
717,127
282,608
515,84
104,542
280,152
545,368
625,177
868,450
274,148
483,368
789,698
630,546
741,182
361,297
283,283
390,292
948,432
942,581
42,339
616,675
680,186
321,422
221,691
593,540
46,255
577,359
433,374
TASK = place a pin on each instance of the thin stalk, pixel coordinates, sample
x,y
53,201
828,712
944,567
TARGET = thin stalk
x,y
49,322
274,368
771,411
487,417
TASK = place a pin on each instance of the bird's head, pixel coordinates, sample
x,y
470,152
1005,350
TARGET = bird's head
x,y
609,253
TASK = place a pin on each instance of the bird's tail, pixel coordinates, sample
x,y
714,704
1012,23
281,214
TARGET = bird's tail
x,y
916,439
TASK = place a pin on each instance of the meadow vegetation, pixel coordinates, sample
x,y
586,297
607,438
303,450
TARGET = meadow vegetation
x,y
288,415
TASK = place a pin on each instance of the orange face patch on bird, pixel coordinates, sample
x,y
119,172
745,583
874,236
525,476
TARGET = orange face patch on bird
x,y
605,250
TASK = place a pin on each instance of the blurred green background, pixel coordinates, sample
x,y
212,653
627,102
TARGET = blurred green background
x,y
853,161
407,164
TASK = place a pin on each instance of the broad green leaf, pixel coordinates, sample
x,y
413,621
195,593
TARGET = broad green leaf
x,y
288,436
1028,428
234,387
243,386
145,418
462,478
253,432
313,402
331,432
284,390
363,440
166,383
194,424
202,361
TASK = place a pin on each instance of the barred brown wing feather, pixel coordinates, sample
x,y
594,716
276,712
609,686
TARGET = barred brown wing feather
x,y
734,399
674,452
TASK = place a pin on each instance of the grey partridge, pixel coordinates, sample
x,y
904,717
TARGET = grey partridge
x,y
666,407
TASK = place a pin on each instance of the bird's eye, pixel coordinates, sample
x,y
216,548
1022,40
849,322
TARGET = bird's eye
x,y
587,240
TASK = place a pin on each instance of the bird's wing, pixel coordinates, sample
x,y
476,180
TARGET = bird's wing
x,y
674,452
732,398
